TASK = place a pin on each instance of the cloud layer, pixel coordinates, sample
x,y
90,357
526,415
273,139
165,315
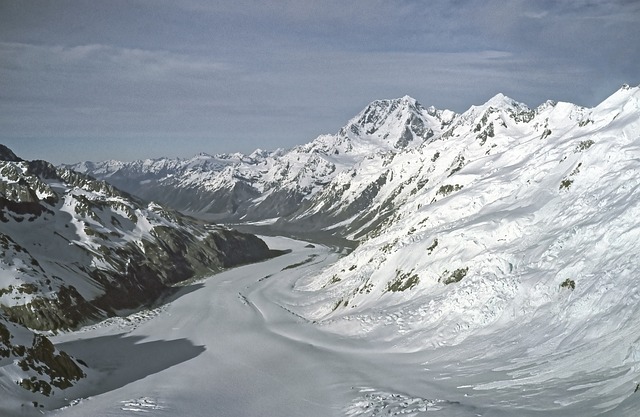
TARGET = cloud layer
x,y
144,78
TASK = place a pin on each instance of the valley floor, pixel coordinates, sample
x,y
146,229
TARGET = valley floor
x,y
230,346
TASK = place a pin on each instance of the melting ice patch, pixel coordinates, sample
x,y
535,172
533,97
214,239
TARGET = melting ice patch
x,y
141,405
374,403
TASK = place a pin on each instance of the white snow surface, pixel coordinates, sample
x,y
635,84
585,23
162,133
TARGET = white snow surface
x,y
233,345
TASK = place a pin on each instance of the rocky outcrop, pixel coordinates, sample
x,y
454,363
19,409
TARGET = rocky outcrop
x,y
42,367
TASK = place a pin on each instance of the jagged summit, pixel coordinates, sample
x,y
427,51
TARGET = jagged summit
x,y
7,154
497,103
398,123
379,112
502,101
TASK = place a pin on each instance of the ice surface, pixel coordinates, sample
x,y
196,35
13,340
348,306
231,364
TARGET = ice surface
x,y
230,345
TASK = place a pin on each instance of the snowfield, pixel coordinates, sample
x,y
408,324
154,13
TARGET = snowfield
x,y
232,345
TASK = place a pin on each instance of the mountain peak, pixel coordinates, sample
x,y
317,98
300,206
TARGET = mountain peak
x,y
501,101
7,154
202,155
624,95
408,100
496,103
389,118
386,106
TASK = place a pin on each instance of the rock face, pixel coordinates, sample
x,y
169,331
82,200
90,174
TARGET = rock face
x,y
41,367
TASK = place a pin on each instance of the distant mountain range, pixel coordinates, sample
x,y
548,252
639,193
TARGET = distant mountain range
x,y
269,185
344,183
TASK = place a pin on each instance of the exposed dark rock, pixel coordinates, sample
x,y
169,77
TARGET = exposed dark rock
x,y
67,310
7,154
54,369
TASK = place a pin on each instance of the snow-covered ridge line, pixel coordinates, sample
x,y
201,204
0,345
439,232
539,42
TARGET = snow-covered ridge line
x,y
281,183
270,184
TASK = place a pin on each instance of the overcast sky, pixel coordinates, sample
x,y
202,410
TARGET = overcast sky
x,y
130,79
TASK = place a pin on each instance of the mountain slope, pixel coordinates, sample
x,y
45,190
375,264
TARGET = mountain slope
x,y
516,268
533,245
76,249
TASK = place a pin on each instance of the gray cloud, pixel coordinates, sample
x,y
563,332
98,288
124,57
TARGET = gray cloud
x,y
220,76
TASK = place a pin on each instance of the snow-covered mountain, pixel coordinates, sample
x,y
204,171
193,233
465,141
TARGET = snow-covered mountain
x,y
74,250
511,205
493,213
496,271
267,185
483,193
517,228
364,199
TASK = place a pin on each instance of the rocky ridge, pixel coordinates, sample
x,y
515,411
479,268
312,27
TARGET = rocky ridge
x,y
76,250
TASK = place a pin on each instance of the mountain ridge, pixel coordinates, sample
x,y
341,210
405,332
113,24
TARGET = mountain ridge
x,y
275,178
525,160
75,250
257,187
102,224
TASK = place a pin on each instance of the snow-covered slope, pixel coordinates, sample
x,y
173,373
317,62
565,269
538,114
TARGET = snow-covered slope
x,y
527,237
496,272
267,185
500,204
